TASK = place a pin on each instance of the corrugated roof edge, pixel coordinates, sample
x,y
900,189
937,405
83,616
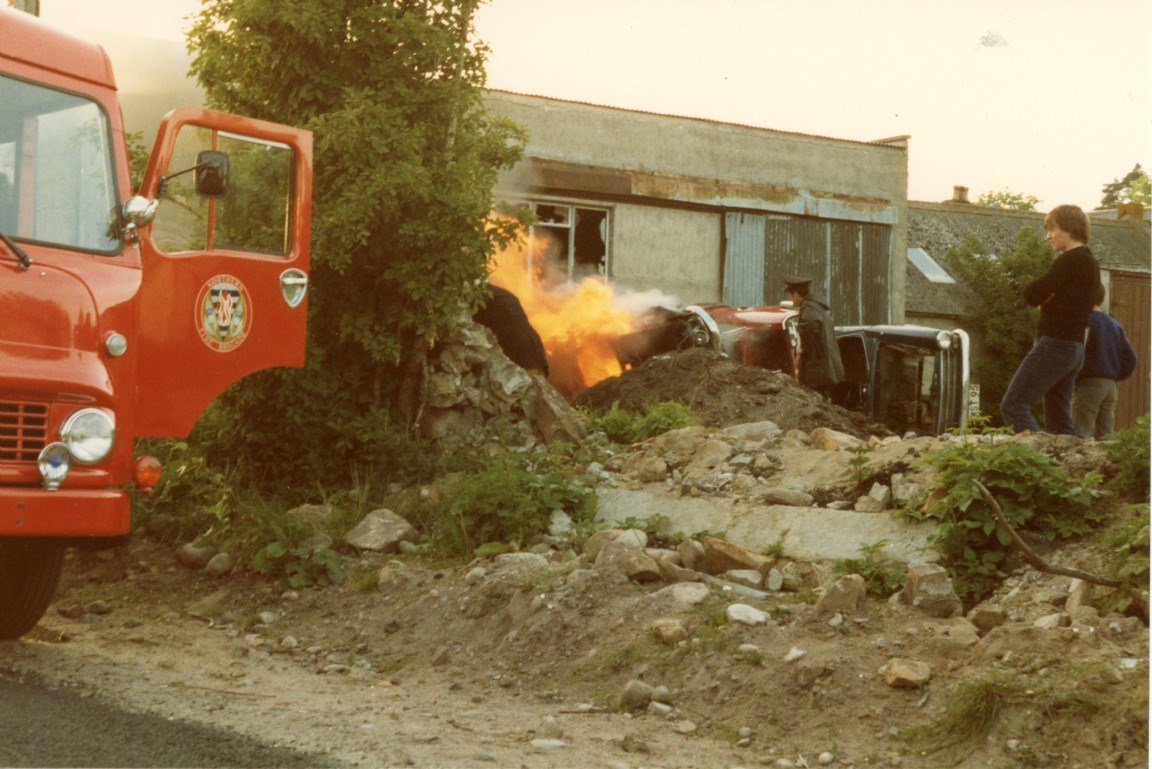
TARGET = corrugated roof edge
x,y
897,142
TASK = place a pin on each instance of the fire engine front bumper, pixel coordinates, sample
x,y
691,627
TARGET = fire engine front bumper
x,y
79,514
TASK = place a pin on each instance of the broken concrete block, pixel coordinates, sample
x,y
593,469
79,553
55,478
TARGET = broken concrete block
x,y
929,589
843,595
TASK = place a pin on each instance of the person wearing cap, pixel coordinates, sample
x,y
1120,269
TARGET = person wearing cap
x,y
820,367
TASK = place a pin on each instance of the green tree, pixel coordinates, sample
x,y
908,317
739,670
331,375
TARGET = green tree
x,y
1133,188
1009,201
405,162
997,315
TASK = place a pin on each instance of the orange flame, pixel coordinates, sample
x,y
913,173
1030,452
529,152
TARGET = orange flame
x,y
575,321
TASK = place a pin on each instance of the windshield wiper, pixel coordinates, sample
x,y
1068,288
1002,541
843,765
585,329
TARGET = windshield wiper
x,y
22,257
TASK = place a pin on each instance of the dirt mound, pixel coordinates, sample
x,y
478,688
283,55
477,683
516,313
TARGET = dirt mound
x,y
721,392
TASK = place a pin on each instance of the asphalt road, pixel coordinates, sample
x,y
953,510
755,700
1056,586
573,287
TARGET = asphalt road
x,y
44,727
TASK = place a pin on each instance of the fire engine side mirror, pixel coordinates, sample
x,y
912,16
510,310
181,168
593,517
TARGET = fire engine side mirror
x,y
212,169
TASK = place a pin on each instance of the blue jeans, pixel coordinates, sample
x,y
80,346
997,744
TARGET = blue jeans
x,y
1049,370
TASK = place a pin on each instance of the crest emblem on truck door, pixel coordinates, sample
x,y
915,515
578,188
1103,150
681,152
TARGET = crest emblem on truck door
x,y
223,313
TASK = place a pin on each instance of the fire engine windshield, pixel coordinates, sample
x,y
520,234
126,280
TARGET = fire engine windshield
x,y
57,184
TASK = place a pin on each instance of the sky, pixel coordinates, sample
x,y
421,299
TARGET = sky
x,y
1048,98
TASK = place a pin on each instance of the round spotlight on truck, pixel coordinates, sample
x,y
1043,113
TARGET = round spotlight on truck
x,y
944,340
88,434
55,461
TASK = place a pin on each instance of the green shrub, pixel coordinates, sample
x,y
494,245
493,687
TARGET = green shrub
x,y
295,553
1129,544
1034,494
623,426
882,576
191,499
508,500
1128,453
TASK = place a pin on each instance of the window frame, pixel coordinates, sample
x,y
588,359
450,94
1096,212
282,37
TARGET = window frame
x,y
569,225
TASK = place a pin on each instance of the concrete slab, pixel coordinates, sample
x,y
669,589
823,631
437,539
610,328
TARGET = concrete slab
x,y
805,533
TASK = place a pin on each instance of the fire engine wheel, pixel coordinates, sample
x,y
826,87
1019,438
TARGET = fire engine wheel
x,y
29,571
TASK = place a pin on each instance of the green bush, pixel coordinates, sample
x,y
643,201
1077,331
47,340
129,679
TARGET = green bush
x,y
293,552
882,576
623,426
1129,544
1128,453
1034,494
508,500
191,500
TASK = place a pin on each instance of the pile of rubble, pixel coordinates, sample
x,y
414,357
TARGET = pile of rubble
x,y
472,385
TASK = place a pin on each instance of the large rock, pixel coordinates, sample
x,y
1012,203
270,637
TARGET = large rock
x,y
754,431
929,589
832,440
843,595
381,531
629,560
472,383
906,674
803,533
721,556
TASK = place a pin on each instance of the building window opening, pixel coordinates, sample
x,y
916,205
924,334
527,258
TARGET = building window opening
x,y
569,243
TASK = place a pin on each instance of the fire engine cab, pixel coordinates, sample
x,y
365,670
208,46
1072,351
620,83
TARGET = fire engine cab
x,y
124,313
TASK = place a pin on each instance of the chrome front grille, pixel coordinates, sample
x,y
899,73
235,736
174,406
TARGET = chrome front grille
x,y
23,430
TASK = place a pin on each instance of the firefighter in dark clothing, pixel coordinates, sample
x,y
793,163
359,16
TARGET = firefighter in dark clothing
x,y
504,315
820,365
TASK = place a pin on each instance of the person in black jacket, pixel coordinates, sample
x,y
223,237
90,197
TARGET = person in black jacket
x,y
820,365
1065,294
504,315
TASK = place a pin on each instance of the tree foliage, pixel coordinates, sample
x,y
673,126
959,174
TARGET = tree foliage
x,y
1008,201
997,314
405,161
1132,188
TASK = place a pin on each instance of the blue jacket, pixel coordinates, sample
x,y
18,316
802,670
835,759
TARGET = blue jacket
x,y
1108,353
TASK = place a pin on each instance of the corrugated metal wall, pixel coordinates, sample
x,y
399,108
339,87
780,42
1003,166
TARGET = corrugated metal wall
x,y
849,263
743,259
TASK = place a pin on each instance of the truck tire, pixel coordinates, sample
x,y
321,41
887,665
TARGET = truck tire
x,y
29,572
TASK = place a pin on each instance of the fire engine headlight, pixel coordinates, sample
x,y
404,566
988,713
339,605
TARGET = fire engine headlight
x,y
55,461
944,340
88,434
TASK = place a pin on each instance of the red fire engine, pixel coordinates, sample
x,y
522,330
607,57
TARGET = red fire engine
x,y
124,315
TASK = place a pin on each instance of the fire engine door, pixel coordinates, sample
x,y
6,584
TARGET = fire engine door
x,y
225,262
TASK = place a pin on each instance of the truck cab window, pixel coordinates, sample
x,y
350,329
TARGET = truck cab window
x,y
56,176
253,216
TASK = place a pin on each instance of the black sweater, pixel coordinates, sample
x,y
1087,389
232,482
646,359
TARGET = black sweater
x,y
1071,281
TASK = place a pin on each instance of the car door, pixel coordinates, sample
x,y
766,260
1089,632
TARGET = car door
x,y
225,274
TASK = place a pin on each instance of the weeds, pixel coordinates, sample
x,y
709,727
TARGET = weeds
x,y
628,427
972,710
882,576
192,500
1129,456
974,707
1129,542
508,499
1034,493
858,464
